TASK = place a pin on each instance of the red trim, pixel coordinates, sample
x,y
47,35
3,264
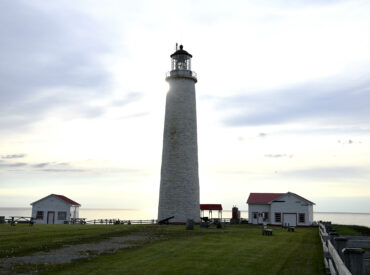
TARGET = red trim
x,y
263,197
210,206
64,198
67,199
47,219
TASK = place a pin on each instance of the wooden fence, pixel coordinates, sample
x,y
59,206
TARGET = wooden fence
x,y
341,255
333,262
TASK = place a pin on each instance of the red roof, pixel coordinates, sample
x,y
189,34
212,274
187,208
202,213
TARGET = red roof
x,y
268,197
263,197
210,206
67,199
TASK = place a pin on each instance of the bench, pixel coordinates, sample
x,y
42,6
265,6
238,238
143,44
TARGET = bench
x,y
291,229
266,231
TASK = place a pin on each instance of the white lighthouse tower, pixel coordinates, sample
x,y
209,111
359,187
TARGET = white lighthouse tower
x,y
179,190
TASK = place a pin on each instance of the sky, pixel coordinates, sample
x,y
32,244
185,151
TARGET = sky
x,y
283,99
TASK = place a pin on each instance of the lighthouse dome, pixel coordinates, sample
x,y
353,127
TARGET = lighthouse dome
x,y
181,51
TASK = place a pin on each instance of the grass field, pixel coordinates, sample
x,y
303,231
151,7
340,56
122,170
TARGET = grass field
x,y
352,230
23,239
239,249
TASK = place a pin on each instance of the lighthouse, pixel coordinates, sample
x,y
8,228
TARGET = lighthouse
x,y
179,188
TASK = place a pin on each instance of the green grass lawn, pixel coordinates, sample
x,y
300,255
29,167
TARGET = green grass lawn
x,y
355,230
238,249
23,239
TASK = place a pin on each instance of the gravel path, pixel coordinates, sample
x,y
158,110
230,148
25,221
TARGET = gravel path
x,y
68,253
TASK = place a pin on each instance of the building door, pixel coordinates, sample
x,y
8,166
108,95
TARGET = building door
x,y
290,219
255,218
50,219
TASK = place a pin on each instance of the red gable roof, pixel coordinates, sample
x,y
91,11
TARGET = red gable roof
x,y
268,197
210,206
263,197
67,199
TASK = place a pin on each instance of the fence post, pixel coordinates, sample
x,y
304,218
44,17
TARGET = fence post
x,y
340,243
333,235
353,258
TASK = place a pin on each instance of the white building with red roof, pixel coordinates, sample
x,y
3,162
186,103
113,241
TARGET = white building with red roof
x,y
279,209
55,209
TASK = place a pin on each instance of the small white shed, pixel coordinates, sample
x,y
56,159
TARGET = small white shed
x,y
54,209
279,209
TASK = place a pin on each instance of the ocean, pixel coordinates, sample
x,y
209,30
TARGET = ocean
x,y
149,214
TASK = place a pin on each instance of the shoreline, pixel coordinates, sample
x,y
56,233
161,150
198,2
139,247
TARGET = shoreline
x,y
140,209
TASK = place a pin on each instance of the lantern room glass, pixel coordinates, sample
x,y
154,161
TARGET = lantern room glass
x,y
181,62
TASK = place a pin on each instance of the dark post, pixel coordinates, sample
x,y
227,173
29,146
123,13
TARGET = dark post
x,y
189,224
333,235
354,260
339,244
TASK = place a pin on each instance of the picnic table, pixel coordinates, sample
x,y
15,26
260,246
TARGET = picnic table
x,y
78,221
266,231
291,228
20,219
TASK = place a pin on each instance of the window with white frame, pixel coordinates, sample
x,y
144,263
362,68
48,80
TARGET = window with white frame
x,y
277,217
39,215
62,215
301,218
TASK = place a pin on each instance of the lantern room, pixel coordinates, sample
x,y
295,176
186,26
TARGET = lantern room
x,y
181,65
181,60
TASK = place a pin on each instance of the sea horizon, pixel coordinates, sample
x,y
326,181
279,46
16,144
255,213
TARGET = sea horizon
x,y
139,209
339,217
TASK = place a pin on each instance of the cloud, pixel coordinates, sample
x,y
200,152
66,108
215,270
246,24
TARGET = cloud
x,y
329,173
262,135
12,165
60,167
63,170
278,156
49,60
41,165
333,103
14,156
134,115
349,141
130,97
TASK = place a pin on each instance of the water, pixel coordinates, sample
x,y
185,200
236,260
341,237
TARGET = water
x,y
343,218
148,214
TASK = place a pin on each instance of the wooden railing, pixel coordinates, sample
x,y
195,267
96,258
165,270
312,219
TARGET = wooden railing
x,y
334,254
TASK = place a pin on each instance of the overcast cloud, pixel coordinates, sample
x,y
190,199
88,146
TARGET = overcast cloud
x,y
334,104
282,97
48,60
